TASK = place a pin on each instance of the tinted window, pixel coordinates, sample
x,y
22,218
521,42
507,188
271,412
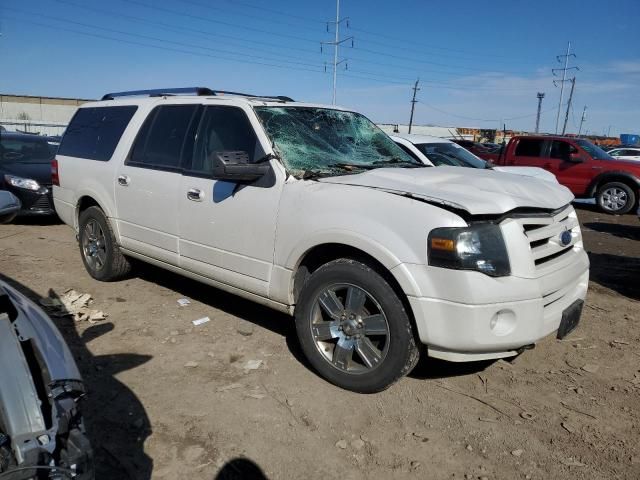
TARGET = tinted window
x,y
27,150
450,154
161,140
95,132
529,147
223,129
593,150
562,150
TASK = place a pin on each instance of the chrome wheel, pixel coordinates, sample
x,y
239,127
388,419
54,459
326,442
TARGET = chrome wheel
x,y
349,328
94,245
614,199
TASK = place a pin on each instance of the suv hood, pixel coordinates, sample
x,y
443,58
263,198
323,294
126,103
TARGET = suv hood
x,y
479,192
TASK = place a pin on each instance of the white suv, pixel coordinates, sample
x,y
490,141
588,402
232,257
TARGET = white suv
x,y
314,211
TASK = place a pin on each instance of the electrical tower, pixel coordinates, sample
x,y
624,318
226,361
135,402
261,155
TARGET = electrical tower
x,y
540,97
584,117
564,78
336,43
566,117
413,103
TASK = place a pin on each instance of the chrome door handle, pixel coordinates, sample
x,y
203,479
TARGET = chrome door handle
x,y
195,195
123,180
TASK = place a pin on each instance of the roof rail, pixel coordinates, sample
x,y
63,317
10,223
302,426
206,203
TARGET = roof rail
x,y
159,92
200,91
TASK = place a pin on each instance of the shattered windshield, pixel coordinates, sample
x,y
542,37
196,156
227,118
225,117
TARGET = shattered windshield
x,y
450,154
323,141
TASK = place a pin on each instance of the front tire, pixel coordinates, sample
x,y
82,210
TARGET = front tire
x,y
616,198
353,327
98,247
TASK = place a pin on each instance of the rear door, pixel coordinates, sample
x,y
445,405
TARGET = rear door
x,y
227,230
148,183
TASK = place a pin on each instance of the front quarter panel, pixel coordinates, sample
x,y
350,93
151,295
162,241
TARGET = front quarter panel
x,y
389,227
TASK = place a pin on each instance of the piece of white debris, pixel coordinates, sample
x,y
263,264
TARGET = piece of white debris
x,y
183,302
200,321
231,386
252,364
73,304
517,453
191,364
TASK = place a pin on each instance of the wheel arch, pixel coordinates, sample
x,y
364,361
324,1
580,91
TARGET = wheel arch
x,y
614,176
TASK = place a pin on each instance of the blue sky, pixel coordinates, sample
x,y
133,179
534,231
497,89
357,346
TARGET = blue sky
x,y
479,63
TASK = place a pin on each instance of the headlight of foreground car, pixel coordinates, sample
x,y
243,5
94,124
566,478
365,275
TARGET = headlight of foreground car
x,y
479,247
20,182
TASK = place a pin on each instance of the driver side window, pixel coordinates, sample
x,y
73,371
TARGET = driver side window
x,y
224,132
562,150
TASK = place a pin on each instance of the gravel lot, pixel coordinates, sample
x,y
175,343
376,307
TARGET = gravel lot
x,y
171,400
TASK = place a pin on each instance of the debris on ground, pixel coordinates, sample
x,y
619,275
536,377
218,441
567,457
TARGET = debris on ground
x,y
591,368
252,364
518,452
341,444
191,364
231,386
245,329
73,304
200,321
183,302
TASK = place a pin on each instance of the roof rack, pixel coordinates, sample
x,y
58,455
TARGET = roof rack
x,y
199,91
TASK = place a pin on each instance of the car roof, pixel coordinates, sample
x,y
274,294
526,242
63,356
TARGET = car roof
x,y
230,99
417,139
23,136
625,148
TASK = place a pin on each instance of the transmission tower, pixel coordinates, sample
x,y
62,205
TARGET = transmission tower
x,y
566,117
336,43
564,77
540,97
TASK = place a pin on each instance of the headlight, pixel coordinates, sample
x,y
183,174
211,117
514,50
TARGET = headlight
x,y
479,247
20,182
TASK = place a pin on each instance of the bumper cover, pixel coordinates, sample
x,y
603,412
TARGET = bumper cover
x,y
41,389
463,332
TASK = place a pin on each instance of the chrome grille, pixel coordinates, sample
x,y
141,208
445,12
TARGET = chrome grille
x,y
544,236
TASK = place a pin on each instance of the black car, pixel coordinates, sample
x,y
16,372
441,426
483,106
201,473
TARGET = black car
x,y
25,170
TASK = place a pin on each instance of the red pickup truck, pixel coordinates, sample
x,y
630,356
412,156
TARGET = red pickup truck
x,y
587,170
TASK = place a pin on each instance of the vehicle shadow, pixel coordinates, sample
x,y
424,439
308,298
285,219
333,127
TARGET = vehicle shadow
x,y
429,368
38,220
240,469
261,316
116,421
618,273
632,232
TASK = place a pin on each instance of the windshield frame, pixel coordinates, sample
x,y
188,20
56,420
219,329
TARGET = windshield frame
x,y
340,163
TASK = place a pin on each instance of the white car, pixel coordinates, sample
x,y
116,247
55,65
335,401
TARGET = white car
x,y
314,211
625,153
436,151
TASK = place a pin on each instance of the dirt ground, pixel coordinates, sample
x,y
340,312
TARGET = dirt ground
x,y
170,400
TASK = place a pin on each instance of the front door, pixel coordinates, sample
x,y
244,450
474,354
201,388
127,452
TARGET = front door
x,y
576,176
227,230
148,183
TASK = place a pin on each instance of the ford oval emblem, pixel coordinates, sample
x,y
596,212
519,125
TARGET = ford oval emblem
x,y
565,238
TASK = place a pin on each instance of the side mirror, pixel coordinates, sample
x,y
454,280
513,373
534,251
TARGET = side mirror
x,y
234,166
575,158
9,206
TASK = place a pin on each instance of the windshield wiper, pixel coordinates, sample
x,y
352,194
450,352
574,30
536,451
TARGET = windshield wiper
x,y
314,174
398,161
351,166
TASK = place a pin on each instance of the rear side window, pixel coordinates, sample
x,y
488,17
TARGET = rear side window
x,y
94,133
161,141
28,150
528,147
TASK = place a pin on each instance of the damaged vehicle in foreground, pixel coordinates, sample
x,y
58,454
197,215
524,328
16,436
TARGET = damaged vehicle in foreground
x,y
314,211
42,433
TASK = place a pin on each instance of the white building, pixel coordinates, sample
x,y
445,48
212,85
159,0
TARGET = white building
x,y
442,132
44,115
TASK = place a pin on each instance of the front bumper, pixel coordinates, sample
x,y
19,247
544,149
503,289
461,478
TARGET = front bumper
x,y
463,332
40,392
34,203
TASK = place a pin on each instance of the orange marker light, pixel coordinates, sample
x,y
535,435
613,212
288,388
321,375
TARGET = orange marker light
x,y
442,244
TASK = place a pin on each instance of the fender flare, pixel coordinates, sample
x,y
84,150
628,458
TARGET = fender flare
x,y
611,176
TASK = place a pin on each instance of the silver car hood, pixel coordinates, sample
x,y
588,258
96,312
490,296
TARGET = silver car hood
x,y
476,191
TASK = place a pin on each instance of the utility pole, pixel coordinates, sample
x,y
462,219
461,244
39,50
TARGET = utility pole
x,y
584,117
413,103
566,117
336,43
564,75
540,97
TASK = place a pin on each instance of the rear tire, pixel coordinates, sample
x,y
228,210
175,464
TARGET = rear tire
x,y
616,198
98,247
353,327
